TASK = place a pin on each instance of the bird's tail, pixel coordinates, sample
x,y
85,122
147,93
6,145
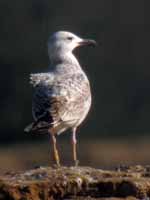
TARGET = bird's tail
x,y
28,128
37,127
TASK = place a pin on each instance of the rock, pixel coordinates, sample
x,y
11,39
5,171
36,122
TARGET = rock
x,y
46,183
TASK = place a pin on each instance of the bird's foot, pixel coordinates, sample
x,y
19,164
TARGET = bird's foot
x,y
76,163
57,165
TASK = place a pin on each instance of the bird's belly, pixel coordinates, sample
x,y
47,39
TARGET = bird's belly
x,y
85,111
76,114
73,118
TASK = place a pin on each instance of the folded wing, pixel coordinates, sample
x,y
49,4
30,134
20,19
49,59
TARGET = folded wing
x,y
59,104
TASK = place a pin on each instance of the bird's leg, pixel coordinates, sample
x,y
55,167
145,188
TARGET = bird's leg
x,y
55,151
74,145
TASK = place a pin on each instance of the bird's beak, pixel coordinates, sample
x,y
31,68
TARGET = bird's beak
x,y
87,42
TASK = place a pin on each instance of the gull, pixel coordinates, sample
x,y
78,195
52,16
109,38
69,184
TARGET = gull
x,y
62,96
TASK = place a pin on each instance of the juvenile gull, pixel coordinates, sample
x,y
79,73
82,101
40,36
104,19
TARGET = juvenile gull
x,y
62,97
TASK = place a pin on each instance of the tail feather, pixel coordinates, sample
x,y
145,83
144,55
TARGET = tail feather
x,y
28,128
37,127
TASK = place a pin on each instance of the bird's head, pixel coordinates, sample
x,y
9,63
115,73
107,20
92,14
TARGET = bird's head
x,y
63,42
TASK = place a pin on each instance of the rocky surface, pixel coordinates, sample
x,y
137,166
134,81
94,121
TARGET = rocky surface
x,y
46,183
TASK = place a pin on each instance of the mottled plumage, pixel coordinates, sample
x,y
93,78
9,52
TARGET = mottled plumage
x,y
62,103
62,96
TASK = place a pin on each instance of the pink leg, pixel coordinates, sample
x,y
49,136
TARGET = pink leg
x,y
74,145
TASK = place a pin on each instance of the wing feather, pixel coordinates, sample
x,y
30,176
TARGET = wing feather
x,y
60,102
41,78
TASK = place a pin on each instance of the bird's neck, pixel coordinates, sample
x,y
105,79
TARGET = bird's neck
x,y
65,60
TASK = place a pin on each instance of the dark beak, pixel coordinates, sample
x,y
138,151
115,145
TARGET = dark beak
x,y
88,42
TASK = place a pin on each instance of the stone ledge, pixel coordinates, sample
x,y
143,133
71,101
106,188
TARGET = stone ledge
x,y
46,183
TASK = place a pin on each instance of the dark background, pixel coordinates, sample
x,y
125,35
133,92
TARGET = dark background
x,y
118,69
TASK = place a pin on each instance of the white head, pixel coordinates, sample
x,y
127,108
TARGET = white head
x,y
62,43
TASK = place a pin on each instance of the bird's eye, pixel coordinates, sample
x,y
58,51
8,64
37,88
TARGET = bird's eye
x,y
70,38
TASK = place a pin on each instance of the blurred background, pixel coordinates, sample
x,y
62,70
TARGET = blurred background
x,y
117,130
